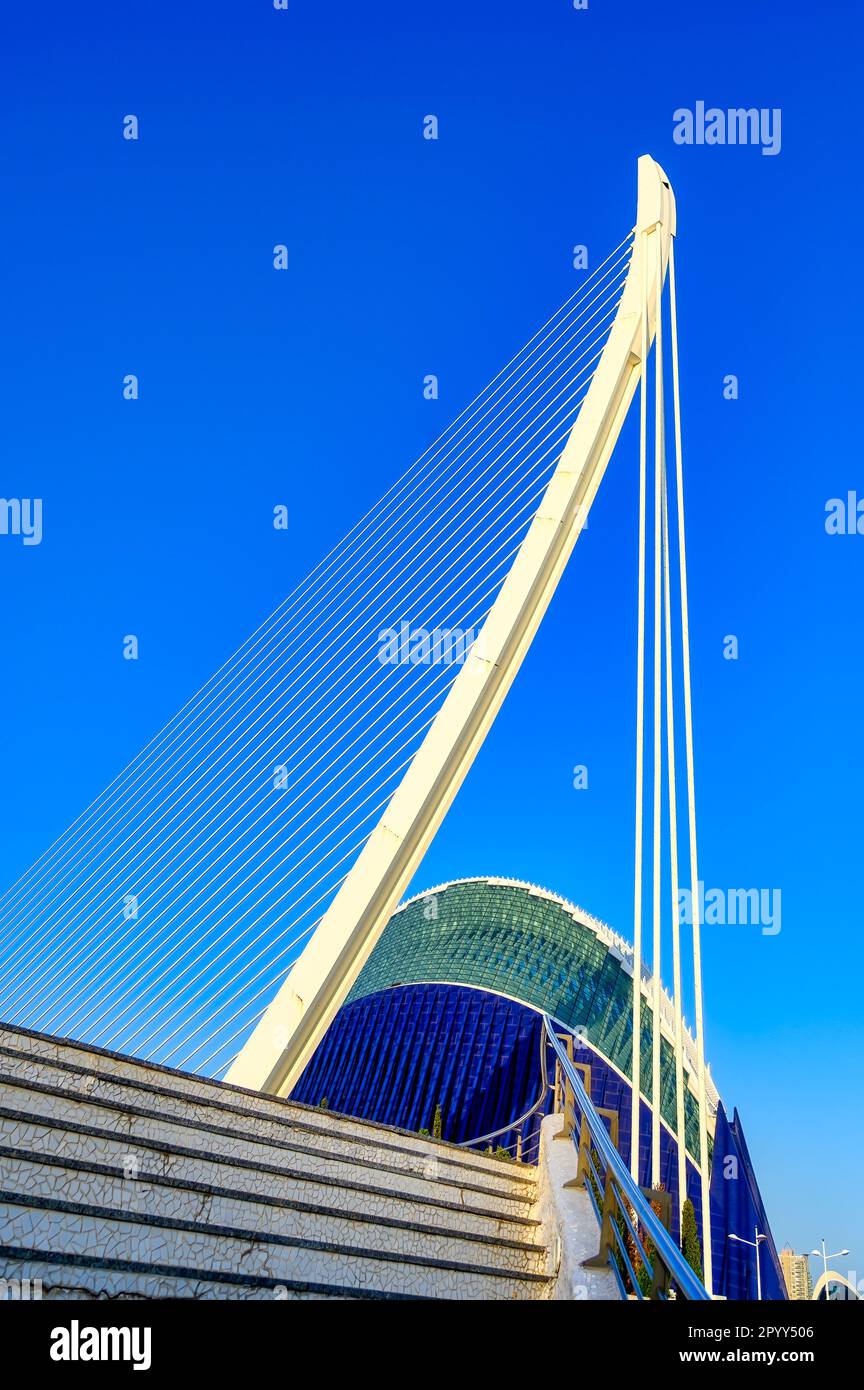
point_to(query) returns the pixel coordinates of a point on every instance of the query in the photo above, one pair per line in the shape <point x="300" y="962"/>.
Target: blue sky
<point x="305" y="388"/>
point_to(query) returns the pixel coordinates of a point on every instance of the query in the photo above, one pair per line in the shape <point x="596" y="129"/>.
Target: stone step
<point x="126" y="1180"/>
<point x="62" y="1279"/>
<point x="186" y="1167"/>
<point x="405" y="1173"/>
<point x="79" y="1230"/>
<point x="20" y="1048"/>
<point x="32" y="1176"/>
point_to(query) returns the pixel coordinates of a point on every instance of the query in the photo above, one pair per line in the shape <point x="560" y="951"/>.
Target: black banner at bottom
<point x="58" y="1338"/>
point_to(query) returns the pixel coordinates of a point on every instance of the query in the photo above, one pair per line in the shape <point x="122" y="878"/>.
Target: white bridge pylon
<point x="287" y="1034"/>
<point x="291" y="800"/>
<point x="291" y="1028"/>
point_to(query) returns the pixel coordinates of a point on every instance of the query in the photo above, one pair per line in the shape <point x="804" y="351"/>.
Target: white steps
<point x="122" y="1179"/>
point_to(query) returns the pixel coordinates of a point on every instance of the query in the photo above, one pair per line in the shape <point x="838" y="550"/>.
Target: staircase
<point x="120" y="1179"/>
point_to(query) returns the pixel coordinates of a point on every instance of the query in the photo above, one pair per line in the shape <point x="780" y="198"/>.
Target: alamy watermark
<point x="77" y="1343"/>
<point x="419" y="646"/>
<point x="711" y="125"/>
<point x="732" y="907"/>
<point x="20" y="1290"/>
<point x="22" y="516"/>
<point x="844" y="516"/>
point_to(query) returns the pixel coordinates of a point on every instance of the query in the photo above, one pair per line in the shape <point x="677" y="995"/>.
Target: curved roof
<point x="522" y="941"/>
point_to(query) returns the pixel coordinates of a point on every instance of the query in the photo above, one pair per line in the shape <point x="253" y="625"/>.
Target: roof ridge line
<point x="601" y="930"/>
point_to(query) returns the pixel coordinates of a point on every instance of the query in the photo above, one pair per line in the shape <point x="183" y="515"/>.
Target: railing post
<point x="607" y="1218"/>
<point x="659" y="1271"/>
<point x="585" y="1144"/>
<point x="585" y="1068"/>
<point x="566" y="1096"/>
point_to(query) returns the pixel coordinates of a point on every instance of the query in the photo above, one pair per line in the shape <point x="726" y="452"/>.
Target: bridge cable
<point x="324" y="566"/>
<point x="499" y="456"/>
<point x="471" y="566"/>
<point x="707" y="1254"/>
<point x="636" y="1067"/>
<point x="656" y="964"/>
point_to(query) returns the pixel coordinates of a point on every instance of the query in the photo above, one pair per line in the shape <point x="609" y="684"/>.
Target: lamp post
<point x="760" y="1236"/>
<point x="825" y="1258"/>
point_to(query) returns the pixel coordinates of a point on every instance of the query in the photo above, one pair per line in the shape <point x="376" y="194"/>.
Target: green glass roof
<point x="520" y="941"/>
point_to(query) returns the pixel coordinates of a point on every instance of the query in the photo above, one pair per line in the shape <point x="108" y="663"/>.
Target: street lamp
<point x="760" y="1236"/>
<point x="825" y="1258"/>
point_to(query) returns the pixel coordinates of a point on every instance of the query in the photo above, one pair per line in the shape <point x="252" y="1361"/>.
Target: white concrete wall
<point x="570" y="1230"/>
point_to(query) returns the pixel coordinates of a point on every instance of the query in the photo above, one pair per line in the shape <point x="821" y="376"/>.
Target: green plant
<point x="437" y="1123"/>
<point x="504" y="1154"/>
<point x="424" y="1134"/>
<point x="323" y="1104"/>
<point x="644" y="1278"/>
<point x="691" y="1245"/>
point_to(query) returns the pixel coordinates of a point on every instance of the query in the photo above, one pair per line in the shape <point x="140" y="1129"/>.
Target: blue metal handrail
<point x="687" y="1283"/>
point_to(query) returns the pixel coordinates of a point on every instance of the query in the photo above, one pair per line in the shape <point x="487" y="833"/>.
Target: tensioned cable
<point x="363" y="765"/>
<point x="636" y="1073"/>
<point x="260" y="973"/>
<point x="286" y="959"/>
<point x="343" y="542"/>
<point x="671" y="776"/>
<point x="367" y="764"/>
<point x="206" y="992"/>
<point x="103" y="837"/>
<point x="445" y="671"/>
<point x="170" y="968"/>
<point x="372" y="663"/>
<point x="234" y="964"/>
<point x="355" y="533"/>
<point x="523" y="433"/>
<point x="657" y="711"/>
<point x="510" y="489"/>
<point x="695" y="911"/>
<point x="348" y="820"/>
<point x="285" y="952"/>
<point x="265" y="991"/>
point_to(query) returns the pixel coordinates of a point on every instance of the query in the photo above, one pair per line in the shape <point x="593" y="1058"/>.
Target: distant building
<point x="796" y="1272"/>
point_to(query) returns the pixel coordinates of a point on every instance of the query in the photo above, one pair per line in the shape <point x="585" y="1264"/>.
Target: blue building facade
<point x="447" y="1015"/>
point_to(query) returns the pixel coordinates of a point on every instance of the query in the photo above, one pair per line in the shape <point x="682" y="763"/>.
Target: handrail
<point x="687" y="1283"/>
<point x="516" y="1124"/>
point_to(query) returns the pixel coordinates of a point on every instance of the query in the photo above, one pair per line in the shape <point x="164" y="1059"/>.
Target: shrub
<point x="691" y="1245"/>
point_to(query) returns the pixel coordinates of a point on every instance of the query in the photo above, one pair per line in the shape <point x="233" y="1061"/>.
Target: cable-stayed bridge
<point x="216" y="852"/>
<point x="213" y="907"/>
